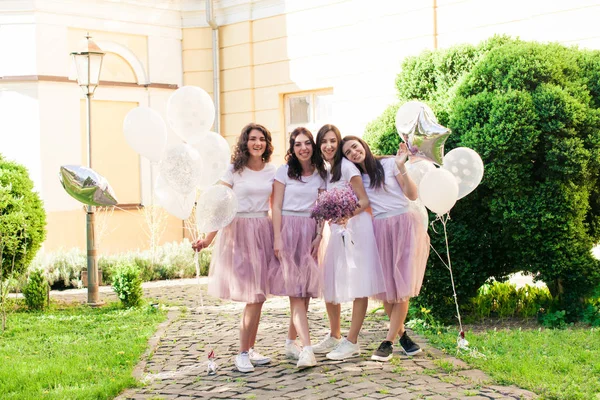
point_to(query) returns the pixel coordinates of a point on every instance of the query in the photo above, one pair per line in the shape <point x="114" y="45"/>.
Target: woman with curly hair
<point x="244" y="248"/>
<point x="297" y="238"/>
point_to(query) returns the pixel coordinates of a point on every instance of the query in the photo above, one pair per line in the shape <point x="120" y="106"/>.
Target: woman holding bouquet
<point x="402" y="241"/>
<point x="297" y="238"/>
<point x="244" y="248"/>
<point x="351" y="264"/>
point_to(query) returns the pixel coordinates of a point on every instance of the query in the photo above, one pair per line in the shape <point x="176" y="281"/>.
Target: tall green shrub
<point x="22" y="219"/>
<point x="531" y="111"/>
<point x="35" y="291"/>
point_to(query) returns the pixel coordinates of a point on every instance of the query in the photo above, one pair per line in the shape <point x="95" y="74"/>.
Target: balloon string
<point x="443" y="219"/>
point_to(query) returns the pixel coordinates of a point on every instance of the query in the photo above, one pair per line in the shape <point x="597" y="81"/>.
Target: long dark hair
<point x="372" y="165"/>
<point x="241" y="155"/>
<point x="336" y="165"/>
<point x="295" y="168"/>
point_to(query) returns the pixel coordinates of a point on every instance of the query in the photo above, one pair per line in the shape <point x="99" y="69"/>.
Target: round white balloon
<point x="190" y="112"/>
<point x="215" y="155"/>
<point x="466" y="166"/>
<point x="438" y="190"/>
<point x="146" y="132"/>
<point x="408" y="113"/>
<point x="417" y="170"/>
<point x="216" y="208"/>
<point x="176" y="204"/>
<point x="181" y="168"/>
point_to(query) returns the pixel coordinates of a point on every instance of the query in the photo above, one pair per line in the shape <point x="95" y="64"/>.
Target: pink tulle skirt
<point x="403" y="246"/>
<point x="241" y="256"/>
<point x="296" y="273"/>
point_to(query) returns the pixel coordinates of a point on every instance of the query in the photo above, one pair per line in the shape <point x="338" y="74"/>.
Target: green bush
<point x="503" y="299"/>
<point x="126" y="282"/>
<point x="22" y="219"/>
<point x="531" y="111"/>
<point x="35" y="291"/>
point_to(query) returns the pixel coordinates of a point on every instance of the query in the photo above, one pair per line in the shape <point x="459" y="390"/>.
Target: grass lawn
<point x="73" y="353"/>
<point x="554" y="363"/>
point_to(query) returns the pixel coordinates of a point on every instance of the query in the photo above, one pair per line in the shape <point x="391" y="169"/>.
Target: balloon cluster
<point x="195" y="164"/>
<point x="461" y="169"/>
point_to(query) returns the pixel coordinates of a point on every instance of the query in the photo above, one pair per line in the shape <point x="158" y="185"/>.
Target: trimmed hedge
<point x="531" y="111"/>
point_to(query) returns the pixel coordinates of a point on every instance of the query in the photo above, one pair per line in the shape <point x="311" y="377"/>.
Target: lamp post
<point x="88" y="62"/>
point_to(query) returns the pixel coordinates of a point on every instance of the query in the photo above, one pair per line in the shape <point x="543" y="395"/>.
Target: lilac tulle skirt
<point x="296" y="273"/>
<point x="241" y="256"/>
<point x="403" y="245"/>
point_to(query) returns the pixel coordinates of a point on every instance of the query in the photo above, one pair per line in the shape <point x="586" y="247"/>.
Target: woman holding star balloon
<point x="402" y="241"/>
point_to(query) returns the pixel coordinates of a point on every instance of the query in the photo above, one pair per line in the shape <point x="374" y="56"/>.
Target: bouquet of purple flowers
<point x="336" y="206"/>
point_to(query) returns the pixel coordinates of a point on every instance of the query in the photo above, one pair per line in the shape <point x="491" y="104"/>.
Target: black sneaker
<point x="410" y="348"/>
<point x="384" y="352"/>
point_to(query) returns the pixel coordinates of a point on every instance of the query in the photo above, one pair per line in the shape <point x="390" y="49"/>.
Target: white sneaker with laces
<point x="242" y="362"/>
<point x="306" y="359"/>
<point x="258" y="359"/>
<point x="292" y="350"/>
<point x="345" y="349"/>
<point x="326" y="345"/>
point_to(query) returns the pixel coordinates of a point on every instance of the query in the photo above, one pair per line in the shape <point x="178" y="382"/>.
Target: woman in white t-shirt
<point x="351" y="264"/>
<point x="402" y="240"/>
<point x="297" y="238"/>
<point x="244" y="248"/>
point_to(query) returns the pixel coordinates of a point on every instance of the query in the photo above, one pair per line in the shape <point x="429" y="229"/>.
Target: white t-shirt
<point x="389" y="196"/>
<point x="349" y="171"/>
<point x="252" y="188"/>
<point x="299" y="196"/>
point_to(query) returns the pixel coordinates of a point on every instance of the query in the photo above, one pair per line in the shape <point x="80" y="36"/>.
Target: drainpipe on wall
<point x="435" y="27"/>
<point x="210" y="19"/>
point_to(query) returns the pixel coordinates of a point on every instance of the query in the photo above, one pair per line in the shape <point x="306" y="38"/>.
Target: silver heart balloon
<point x="87" y="186"/>
<point x="426" y="138"/>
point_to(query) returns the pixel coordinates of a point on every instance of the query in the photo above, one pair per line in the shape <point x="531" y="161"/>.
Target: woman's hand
<point x="277" y="246"/>
<point x="314" y="247"/>
<point x="200" y="244"/>
<point x="402" y="156"/>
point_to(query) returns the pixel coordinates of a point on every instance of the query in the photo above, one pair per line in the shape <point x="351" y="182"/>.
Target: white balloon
<point x="181" y="168"/>
<point x="466" y="166"/>
<point x="176" y="204"/>
<point x="417" y="170"/>
<point x="190" y="112"/>
<point x="146" y="132"/>
<point x="216" y="208"/>
<point x="418" y="206"/>
<point x="408" y="113"/>
<point x="438" y="191"/>
<point x="215" y="155"/>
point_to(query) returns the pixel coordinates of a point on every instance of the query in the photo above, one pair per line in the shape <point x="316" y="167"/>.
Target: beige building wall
<point x="354" y="49"/>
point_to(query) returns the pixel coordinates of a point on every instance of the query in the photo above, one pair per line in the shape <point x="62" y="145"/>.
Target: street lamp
<point x="88" y="62"/>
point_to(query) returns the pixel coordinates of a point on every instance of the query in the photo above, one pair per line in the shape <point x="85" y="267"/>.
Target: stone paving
<point x="175" y="364"/>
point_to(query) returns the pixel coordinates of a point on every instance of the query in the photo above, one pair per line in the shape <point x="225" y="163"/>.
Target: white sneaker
<point x="258" y="359"/>
<point x="242" y="362"/>
<point x="326" y="345"/>
<point x="306" y="359"/>
<point x="292" y="350"/>
<point x="344" y="349"/>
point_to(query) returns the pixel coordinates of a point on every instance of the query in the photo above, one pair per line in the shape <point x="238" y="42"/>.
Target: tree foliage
<point x="531" y="111"/>
<point x="22" y="219"/>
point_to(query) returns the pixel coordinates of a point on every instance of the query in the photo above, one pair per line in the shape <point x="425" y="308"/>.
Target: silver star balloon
<point x="87" y="186"/>
<point x="426" y="138"/>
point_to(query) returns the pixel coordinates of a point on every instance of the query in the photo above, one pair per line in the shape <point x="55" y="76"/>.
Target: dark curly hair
<point x="295" y="168"/>
<point x="372" y="165"/>
<point x="240" y="155"/>
<point x="336" y="165"/>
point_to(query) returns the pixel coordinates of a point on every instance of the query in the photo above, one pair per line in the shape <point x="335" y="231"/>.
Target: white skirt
<point x="351" y="264"/>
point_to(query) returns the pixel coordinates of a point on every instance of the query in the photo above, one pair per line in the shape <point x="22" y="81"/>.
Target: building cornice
<point x="64" y="79"/>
